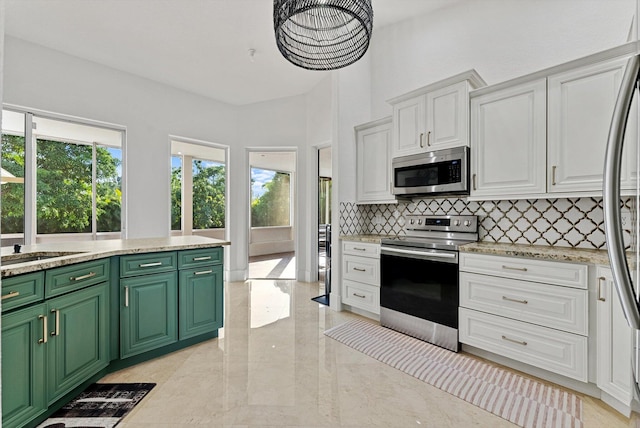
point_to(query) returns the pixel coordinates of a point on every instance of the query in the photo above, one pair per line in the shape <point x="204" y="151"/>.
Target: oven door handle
<point x="451" y="257"/>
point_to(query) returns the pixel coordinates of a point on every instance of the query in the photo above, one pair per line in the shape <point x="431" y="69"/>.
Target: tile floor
<point x="272" y="366"/>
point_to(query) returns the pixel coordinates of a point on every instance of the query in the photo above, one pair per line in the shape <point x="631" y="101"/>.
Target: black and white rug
<point x="100" y="405"/>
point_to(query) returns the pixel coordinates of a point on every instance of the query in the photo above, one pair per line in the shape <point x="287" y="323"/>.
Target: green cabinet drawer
<point x="68" y="278"/>
<point x="143" y="264"/>
<point x="200" y="257"/>
<point x="22" y="290"/>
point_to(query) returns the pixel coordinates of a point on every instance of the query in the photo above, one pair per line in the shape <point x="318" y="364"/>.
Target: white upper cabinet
<point x="581" y="103"/>
<point x="545" y="135"/>
<point x="434" y="117"/>
<point x="373" y="153"/>
<point x="508" y="137"/>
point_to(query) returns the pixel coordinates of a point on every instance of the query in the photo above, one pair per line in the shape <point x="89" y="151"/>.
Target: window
<point x="270" y="198"/>
<point x="198" y="193"/>
<point x="78" y="179"/>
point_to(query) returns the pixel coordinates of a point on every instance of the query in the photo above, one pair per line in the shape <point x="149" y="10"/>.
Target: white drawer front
<point x="549" y="349"/>
<point x="553" y="306"/>
<point x="362" y="296"/>
<point x="361" y="269"/>
<point x="559" y="273"/>
<point x="361" y="249"/>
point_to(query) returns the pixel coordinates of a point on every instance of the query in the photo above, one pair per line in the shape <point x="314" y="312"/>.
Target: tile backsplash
<point x="577" y="223"/>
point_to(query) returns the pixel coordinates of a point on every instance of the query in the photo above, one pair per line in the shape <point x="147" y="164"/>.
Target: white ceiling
<point x="201" y="46"/>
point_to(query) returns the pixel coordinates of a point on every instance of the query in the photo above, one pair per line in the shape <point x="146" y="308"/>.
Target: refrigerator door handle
<point x="611" y="194"/>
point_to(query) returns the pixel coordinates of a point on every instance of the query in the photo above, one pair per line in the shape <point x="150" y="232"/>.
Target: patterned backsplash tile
<point x="577" y="223"/>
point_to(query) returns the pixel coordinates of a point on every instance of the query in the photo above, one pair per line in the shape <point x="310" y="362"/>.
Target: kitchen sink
<point x="11" y="259"/>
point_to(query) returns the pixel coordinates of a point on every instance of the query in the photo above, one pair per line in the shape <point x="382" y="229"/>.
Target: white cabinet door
<point x="447" y="117"/>
<point x="508" y="138"/>
<point x="581" y="103"/>
<point x="614" y="341"/>
<point x="373" y="152"/>
<point x="409" y="126"/>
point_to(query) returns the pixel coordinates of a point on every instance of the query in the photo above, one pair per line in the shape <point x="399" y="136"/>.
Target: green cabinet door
<point x="200" y="300"/>
<point x="78" y="344"/>
<point x="148" y="312"/>
<point x="23" y="366"/>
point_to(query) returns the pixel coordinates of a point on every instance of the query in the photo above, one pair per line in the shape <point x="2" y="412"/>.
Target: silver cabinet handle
<point x="359" y="249"/>
<point x="359" y="295"/>
<point x="429" y="138"/>
<point x="126" y="297"/>
<point x="359" y="269"/>
<point x="514" y="268"/>
<point x="421" y="139"/>
<point x="10" y="295"/>
<point x="524" y="302"/>
<point x="80" y="278"/>
<point x="553" y="175"/>
<point x="44" y="329"/>
<point x="56" y="332"/>
<point x="150" y="264"/>
<point x="199" y="259"/>
<point x="519" y="342"/>
<point x="474" y="182"/>
<point x="601" y="297"/>
<point x="204" y="272"/>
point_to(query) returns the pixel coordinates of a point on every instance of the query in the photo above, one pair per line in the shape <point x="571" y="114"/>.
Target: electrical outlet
<point x="377" y="220"/>
<point x="625" y="217"/>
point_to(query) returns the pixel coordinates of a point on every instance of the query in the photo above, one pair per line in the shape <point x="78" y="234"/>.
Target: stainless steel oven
<point x="419" y="288"/>
<point x="440" y="172"/>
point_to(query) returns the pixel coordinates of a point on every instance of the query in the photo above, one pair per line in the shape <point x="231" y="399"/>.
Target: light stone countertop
<point x="370" y="239"/>
<point x="540" y="252"/>
<point x="82" y="251"/>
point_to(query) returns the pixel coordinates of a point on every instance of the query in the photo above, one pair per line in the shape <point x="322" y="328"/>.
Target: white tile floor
<point x="272" y="366"/>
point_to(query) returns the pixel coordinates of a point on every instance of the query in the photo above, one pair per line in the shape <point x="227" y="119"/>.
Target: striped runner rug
<point x="518" y="399"/>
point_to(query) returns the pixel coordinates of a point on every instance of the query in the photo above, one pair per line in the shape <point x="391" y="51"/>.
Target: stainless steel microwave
<point x="441" y="172"/>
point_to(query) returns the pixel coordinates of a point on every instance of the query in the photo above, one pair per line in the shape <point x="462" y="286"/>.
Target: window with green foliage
<point x="12" y="193"/>
<point x="78" y="178"/>
<point x="207" y="193"/>
<point x="270" y="198"/>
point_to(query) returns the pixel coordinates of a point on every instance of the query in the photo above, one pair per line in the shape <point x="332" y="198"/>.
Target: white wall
<point x="501" y="39"/>
<point x="49" y="80"/>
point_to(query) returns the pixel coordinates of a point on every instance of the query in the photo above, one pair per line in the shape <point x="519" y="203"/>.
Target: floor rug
<point x="100" y="405"/>
<point x="520" y="400"/>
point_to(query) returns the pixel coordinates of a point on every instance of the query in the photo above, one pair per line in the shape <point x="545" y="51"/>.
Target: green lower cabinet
<point x="149" y="312"/>
<point x="23" y="366"/>
<point x="78" y="344"/>
<point x="200" y="301"/>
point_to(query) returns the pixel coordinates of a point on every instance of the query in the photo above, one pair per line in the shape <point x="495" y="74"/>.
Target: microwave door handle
<point x="611" y="194"/>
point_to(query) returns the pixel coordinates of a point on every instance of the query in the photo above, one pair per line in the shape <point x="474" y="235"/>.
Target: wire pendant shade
<point x="322" y="34"/>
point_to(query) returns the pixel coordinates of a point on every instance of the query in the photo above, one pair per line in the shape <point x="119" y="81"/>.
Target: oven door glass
<point x="423" y="288"/>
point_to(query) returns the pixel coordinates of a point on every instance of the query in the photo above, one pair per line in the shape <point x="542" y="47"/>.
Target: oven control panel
<point x="447" y="223"/>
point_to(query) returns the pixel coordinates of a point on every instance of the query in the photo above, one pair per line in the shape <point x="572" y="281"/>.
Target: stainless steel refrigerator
<point x="625" y="279"/>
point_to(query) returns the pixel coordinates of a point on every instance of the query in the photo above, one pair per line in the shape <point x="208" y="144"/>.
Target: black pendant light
<point x="322" y="34"/>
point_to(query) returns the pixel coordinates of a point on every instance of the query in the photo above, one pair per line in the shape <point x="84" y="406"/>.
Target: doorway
<point x="272" y="226"/>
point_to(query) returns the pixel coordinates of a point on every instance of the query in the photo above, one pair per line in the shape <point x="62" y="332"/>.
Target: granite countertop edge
<point x="94" y="250"/>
